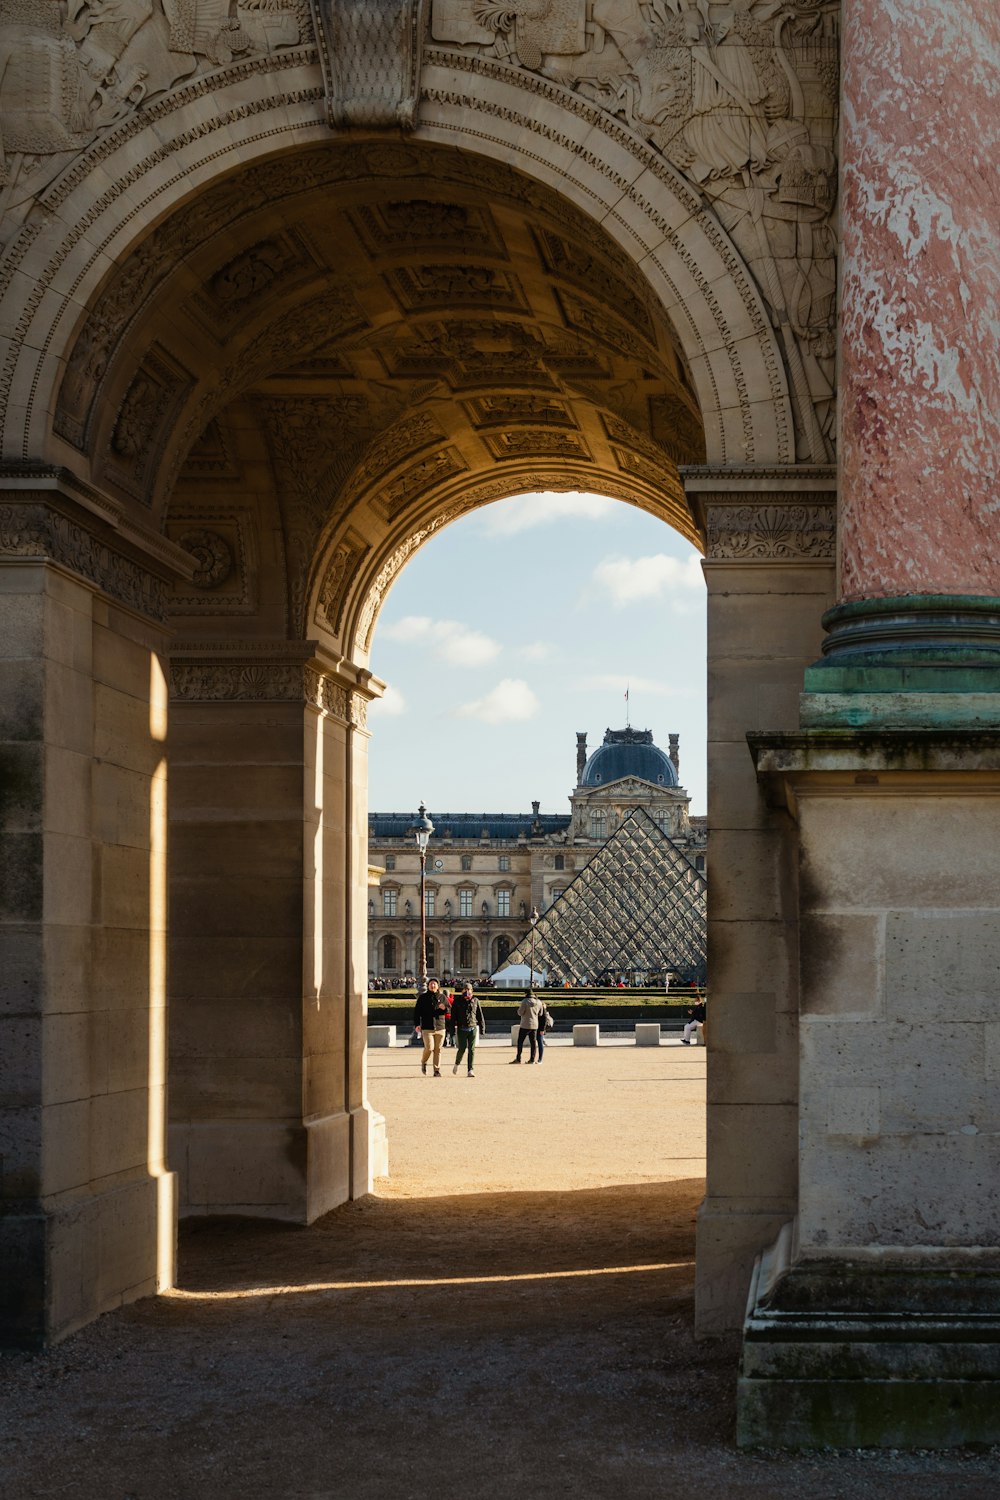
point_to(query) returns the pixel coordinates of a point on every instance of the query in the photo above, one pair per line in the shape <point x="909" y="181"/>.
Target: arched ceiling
<point x="381" y="351"/>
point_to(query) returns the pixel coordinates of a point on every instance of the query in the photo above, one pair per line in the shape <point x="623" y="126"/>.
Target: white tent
<point x="517" y="977"/>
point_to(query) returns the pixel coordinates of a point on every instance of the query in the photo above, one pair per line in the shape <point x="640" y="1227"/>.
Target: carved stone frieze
<point x="421" y="223"/>
<point x="422" y="288"/>
<point x="71" y="73"/>
<point x="274" y="266"/>
<point x="153" y="398"/>
<point x="742" y="100"/>
<point x="507" y="409"/>
<point x="225" y="682"/>
<point x="525" y="442"/>
<point x="39" y="531"/>
<point x="780" y="532"/>
<point x="341" y="571"/>
<point x="417" y="480"/>
<point x="265" y="682"/>
<point x="404" y="438"/>
<point x="315" y="443"/>
<point x="677" y="426"/>
<point x="571" y="261"/>
<point x="588" y="318"/>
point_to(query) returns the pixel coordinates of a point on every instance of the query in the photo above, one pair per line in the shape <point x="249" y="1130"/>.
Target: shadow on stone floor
<point x="510" y="1344"/>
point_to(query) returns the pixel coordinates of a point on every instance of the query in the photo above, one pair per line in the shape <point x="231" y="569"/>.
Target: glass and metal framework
<point x="636" y="911"/>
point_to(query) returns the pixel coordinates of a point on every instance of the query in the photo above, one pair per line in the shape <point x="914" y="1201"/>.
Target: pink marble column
<point x="920" y="362"/>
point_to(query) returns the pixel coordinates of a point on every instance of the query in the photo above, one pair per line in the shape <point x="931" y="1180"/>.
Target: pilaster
<point x="269" y="1113"/>
<point x="87" y="1218"/>
<point x="875" y="1319"/>
<point x="769" y="566"/>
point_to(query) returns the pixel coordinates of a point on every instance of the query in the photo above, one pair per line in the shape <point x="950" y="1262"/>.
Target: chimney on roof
<point x="675" y="753"/>
<point x="581" y="755"/>
<point x="535" y="806"/>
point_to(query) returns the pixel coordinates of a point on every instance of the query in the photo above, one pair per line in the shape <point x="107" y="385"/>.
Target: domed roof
<point x="629" y="752"/>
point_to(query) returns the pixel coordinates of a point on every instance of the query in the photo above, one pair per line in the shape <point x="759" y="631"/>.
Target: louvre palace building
<point x="486" y="871"/>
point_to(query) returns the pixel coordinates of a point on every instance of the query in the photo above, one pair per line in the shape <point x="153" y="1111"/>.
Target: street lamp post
<point x="534" y="920"/>
<point x="422" y="833"/>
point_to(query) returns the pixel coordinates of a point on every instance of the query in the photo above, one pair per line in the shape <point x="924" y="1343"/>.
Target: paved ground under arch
<point x="441" y="1340"/>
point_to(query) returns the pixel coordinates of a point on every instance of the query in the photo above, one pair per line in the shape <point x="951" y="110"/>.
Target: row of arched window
<point x="390" y="953"/>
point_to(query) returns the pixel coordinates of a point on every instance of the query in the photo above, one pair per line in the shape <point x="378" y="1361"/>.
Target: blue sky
<point x="519" y="625"/>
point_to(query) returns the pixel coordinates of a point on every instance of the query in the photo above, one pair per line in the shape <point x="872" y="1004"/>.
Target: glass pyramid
<point x="636" y="910"/>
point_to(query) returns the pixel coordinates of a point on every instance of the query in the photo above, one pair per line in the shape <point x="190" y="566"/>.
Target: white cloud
<point x="449" y="640"/>
<point x="522" y="512"/>
<point x="625" y="580"/>
<point x="510" y="702"/>
<point x="537" y="651"/>
<point x="390" y="705"/>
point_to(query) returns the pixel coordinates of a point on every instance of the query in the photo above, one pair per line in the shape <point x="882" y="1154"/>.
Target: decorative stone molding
<point x="236" y="682"/>
<point x="382" y="582"/>
<point x="370" y="51"/>
<point x="266" y="682"/>
<point x="340" y="573"/>
<point x="779" y="532"/>
<point x="34" y="528"/>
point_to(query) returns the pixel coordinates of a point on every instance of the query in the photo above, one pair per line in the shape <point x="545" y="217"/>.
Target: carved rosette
<point x="771" y="532"/>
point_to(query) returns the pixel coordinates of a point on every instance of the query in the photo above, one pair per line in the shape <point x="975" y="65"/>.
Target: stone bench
<point x="381" y="1036"/>
<point x="586" y="1035"/>
<point x="647" y="1033"/>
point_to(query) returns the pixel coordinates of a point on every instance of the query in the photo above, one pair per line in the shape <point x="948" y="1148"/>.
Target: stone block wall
<point x="87" y="1202"/>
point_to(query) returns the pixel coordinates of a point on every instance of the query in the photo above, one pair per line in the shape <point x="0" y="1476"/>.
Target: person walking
<point x="449" y="1020"/>
<point x="429" y="1014"/>
<point x="527" y="1012"/>
<point x="545" y="1025"/>
<point x="469" y="1022"/>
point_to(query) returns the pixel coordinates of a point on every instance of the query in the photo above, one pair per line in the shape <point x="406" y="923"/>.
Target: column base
<point x="728" y="1241"/>
<point x="921" y="660"/>
<point x="870" y="1353"/>
<point x="64" y="1267"/>
<point x="273" y="1169"/>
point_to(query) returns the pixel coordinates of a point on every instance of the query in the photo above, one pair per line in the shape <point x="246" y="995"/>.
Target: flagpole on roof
<point x="628" y="720"/>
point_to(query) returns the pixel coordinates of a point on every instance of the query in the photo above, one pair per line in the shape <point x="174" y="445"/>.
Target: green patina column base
<point x="878" y="1351"/>
<point x="930" y="660"/>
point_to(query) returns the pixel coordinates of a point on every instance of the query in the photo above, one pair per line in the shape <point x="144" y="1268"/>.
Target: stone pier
<point x="875" y="1319"/>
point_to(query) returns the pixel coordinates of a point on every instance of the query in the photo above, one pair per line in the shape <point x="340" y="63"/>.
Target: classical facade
<point x="286" y="288"/>
<point x="486" y="871"/>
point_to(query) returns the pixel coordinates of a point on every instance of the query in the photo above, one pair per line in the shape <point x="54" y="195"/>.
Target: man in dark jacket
<point x="469" y="1021"/>
<point x="696" y="1020"/>
<point x="430" y="1014"/>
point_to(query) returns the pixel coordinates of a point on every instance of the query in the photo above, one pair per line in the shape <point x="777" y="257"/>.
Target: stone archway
<point x="251" y="375"/>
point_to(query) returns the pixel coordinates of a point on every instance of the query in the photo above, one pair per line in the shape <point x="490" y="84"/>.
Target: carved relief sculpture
<point x="69" y="68"/>
<point x="741" y="98"/>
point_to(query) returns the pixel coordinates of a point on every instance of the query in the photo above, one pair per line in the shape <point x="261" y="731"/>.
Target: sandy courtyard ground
<point x="509" y="1318"/>
<point x="587" y="1117"/>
